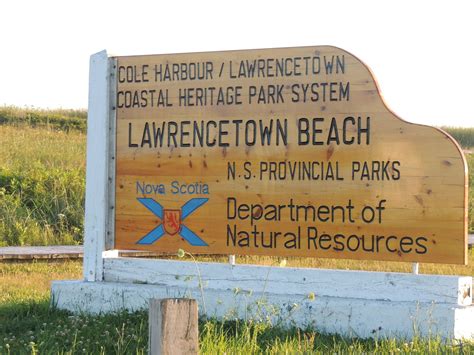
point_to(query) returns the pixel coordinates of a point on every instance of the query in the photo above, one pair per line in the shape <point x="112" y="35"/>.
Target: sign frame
<point x="361" y="303"/>
<point x="101" y="138"/>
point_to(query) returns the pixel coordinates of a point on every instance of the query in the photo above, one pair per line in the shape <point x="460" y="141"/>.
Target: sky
<point x="421" y="52"/>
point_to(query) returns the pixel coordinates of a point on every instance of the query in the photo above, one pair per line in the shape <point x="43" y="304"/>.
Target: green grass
<point x="464" y="136"/>
<point x="28" y="323"/>
<point x="42" y="186"/>
<point x="60" y="119"/>
<point x="29" y="326"/>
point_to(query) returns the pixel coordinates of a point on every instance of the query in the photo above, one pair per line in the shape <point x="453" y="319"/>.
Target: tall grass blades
<point x="41" y="186"/>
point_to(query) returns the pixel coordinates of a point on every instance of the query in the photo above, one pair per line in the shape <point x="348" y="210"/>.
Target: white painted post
<point x="114" y="253"/>
<point x="97" y="167"/>
<point x="415" y="268"/>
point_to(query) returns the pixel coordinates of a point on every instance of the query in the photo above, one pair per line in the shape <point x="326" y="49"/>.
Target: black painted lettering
<point x="387" y="244"/>
<point x="395" y="171"/>
<point x="231" y="205"/>
<point x="421" y="248"/>
<point x="210" y="142"/>
<point x="198" y="134"/>
<point x="250" y="132"/>
<point x="223" y="133"/>
<point x="346" y="130"/>
<point x="406" y="242"/>
<point x="363" y="131"/>
<point x="339" y="245"/>
<point x="130" y="144"/>
<point x="158" y="134"/>
<point x="357" y="242"/>
<point x="303" y="131"/>
<point x="172" y="132"/>
<point x="265" y="132"/>
<point x="312" y="234"/>
<point x="232" y="235"/>
<point x="325" y="241"/>
<point x="146" y="137"/>
<point x="333" y="135"/>
<point x="370" y="249"/>
<point x="230" y="173"/>
<point x="184" y="133"/>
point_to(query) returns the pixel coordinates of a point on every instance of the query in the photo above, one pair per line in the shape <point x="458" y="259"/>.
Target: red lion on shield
<point x="172" y="221"/>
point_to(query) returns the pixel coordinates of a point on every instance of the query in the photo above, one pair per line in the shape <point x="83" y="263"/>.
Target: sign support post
<point x="97" y="173"/>
<point x="415" y="268"/>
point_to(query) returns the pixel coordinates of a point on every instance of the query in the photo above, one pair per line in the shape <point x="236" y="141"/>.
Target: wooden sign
<point x="288" y="152"/>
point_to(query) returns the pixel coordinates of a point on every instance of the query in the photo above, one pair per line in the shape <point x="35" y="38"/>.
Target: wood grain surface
<point x="173" y="326"/>
<point x="295" y="154"/>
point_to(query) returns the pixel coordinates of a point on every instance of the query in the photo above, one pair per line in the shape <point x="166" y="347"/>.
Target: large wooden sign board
<point x="288" y="152"/>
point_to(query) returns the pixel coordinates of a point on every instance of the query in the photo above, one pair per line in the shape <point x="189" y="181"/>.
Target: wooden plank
<point x="173" y="326"/>
<point x="302" y="281"/>
<point x="61" y="252"/>
<point x="46" y="252"/>
<point x="112" y="119"/>
<point x="362" y="159"/>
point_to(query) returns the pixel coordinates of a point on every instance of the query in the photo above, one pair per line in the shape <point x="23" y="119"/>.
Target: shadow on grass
<point x="35" y="326"/>
<point x="28" y="327"/>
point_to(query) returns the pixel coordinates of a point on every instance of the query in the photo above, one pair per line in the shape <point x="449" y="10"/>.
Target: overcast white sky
<point x="421" y="52"/>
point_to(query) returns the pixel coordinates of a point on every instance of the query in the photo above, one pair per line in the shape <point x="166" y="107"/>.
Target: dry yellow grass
<point x="31" y="281"/>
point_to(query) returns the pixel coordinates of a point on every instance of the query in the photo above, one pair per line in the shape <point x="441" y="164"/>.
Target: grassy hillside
<point x="42" y="175"/>
<point x="59" y="119"/>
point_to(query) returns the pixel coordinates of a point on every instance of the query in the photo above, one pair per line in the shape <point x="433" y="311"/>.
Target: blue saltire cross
<point x="187" y="234"/>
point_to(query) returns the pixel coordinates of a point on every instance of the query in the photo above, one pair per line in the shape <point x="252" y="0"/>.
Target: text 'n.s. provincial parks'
<point x="285" y="152"/>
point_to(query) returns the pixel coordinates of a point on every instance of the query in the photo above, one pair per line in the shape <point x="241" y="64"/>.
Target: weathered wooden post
<point x="173" y="326"/>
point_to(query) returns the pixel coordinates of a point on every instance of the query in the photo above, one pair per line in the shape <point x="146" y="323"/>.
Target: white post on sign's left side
<point x="97" y="193"/>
